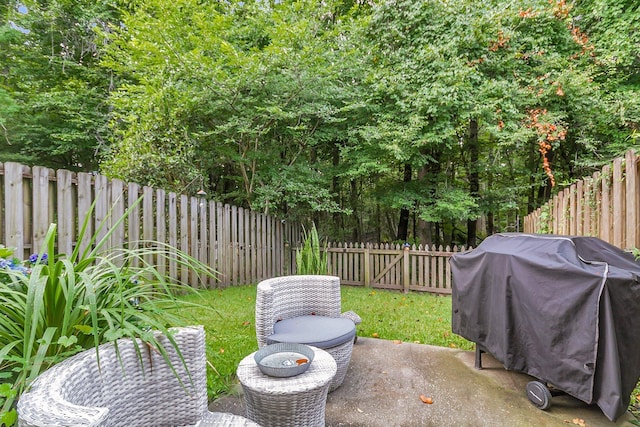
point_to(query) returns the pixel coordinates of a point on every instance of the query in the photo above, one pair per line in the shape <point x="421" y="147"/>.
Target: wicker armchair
<point x="127" y="388"/>
<point x="313" y="304"/>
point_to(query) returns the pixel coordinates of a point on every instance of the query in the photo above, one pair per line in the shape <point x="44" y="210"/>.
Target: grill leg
<point x="479" y="352"/>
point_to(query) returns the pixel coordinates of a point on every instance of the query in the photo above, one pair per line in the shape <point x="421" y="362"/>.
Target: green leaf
<point x="6" y="390"/>
<point x="6" y="252"/>
<point x="85" y="329"/>
<point x="67" y="341"/>
<point x="8" y="418"/>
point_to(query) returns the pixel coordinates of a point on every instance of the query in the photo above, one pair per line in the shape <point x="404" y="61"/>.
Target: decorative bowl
<point x="284" y="359"/>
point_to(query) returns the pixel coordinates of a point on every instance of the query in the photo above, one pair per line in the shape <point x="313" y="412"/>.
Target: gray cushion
<point x="318" y="331"/>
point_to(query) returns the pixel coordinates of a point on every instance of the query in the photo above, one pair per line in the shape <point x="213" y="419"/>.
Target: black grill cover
<point x="565" y="310"/>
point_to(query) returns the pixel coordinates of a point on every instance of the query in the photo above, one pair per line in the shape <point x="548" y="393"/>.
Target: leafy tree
<point x="611" y="31"/>
<point x="57" y="114"/>
<point x="461" y="86"/>
<point x="235" y="104"/>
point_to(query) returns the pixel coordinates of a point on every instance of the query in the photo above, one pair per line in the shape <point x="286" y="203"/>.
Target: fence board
<point x="193" y="235"/>
<point x="213" y="244"/>
<point x="586" y="207"/>
<point x="246" y="248"/>
<point x="579" y="208"/>
<point x="161" y="227"/>
<point x="184" y="234"/>
<point x="253" y="246"/>
<point x="233" y="245"/>
<point x="14" y="220"/>
<point x="117" y="237"/>
<point x="203" y="238"/>
<point x="172" y="217"/>
<point x="133" y="230"/>
<point x="148" y="222"/>
<point x="269" y="237"/>
<point x="41" y="216"/>
<point x="605" y="219"/>
<point x="631" y="190"/>
<point x="564" y="205"/>
<point x="261" y="250"/>
<point x="220" y="240"/>
<point x="597" y="192"/>
<point x="226" y="246"/>
<point x="66" y="221"/>
<point x="85" y="201"/>
<point x="573" y="210"/>
<point x="618" y="202"/>
<point x="101" y="207"/>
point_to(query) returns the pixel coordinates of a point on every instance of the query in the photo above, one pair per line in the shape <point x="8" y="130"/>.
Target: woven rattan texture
<point x="132" y="385"/>
<point x="293" y="401"/>
<point x="291" y="296"/>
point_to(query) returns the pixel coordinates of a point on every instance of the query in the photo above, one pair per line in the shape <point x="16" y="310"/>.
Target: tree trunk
<point x="490" y="225"/>
<point x="531" y="196"/>
<point x="338" y="218"/>
<point x="474" y="178"/>
<point x="423" y="233"/>
<point x="403" y="223"/>
<point x="423" y="228"/>
<point x="356" y="231"/>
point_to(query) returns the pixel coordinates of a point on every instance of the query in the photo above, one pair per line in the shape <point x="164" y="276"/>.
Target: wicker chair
<point x="298" y="300"/>
<point x="127" y="388"/>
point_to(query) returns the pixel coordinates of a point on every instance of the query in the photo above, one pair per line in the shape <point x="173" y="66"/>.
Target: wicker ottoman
<point x="294" y="401"/>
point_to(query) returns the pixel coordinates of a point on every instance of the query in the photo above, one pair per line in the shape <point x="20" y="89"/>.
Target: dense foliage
<point x="432" y="121"/>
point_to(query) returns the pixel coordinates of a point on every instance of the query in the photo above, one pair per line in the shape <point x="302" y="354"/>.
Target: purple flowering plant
<point x="10" y="265"/>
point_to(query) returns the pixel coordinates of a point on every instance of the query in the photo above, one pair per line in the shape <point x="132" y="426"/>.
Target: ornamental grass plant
<point x="311" y="258"/>
<point x="66" y="303"/>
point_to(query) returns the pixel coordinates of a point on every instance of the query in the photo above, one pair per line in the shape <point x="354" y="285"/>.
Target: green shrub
<point x="311" y="259"/>
<point x="69" y="303"/>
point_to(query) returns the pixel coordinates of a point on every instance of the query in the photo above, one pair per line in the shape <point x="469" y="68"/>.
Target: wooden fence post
<point x="618" y="203"/>
<point x="65" y="204"/>
<point x="13" y="215"/>
<point x="405" y="269"/>
<point x="366" y="267"/>
<point x="631" y="180"/>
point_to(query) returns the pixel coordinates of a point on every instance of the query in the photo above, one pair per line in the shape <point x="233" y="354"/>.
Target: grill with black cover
<point x="563" y="309"/>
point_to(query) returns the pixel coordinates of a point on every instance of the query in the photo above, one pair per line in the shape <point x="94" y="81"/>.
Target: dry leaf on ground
<point x="426" y="399"/>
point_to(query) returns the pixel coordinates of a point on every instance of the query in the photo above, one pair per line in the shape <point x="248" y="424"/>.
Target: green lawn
<point x="229" y="323"/>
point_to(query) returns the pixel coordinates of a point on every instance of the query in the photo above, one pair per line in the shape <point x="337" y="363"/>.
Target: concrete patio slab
<point x="386" y="379"/>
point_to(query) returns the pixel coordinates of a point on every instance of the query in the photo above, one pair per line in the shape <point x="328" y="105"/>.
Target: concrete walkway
<point x="386" y="379"/>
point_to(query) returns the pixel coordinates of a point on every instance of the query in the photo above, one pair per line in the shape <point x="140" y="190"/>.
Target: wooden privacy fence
<point x="242" y="245"/>
<point x="393" y="266"/>
<point x="605" y="205"/>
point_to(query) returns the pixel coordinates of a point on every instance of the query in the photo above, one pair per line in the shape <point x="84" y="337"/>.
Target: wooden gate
<point x="388" y="266"/>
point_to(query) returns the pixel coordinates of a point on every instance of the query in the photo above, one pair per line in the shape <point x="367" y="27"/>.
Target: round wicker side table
<point x="294" y="401"/>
